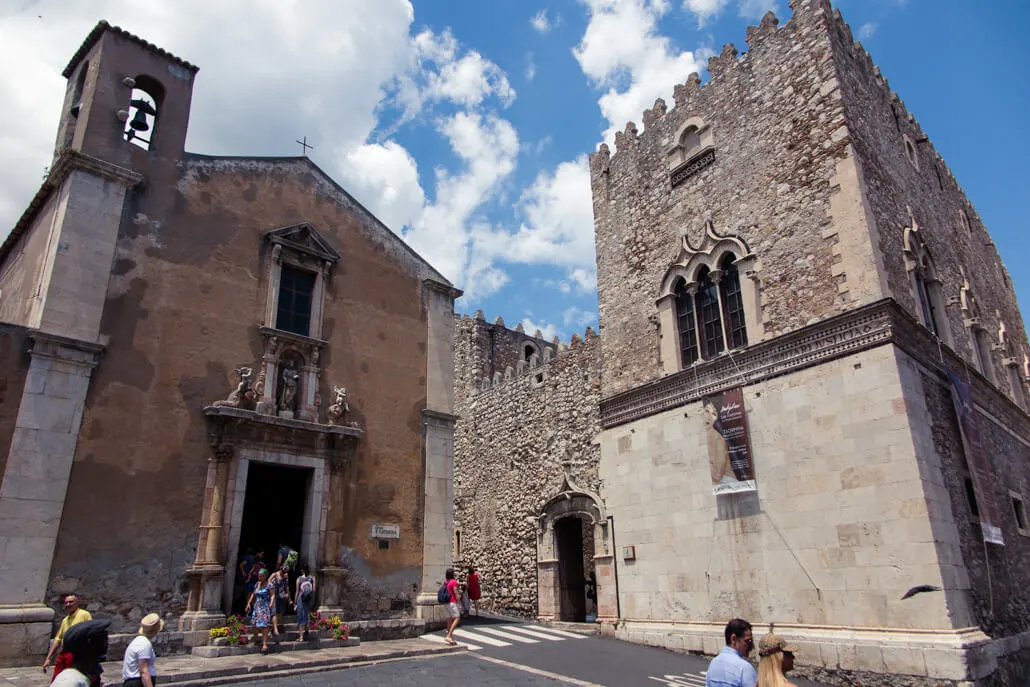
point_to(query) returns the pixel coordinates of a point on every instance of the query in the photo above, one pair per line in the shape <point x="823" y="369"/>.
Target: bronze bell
<point x="139" y="120"/>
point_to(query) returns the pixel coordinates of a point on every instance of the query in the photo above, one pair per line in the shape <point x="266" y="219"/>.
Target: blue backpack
<point x="443" y="596"/>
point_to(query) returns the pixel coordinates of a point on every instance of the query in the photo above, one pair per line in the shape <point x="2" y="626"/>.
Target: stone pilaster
<point x="207" y="574"/>
<point x="330" y="574"/>
<point x="35" y="483"/>
<point x="438" y="422"/>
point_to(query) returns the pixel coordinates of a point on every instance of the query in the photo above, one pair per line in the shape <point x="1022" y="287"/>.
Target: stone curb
<point x="227" y="676"/>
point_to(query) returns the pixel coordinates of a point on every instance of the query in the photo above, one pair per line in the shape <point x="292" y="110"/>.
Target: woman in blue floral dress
<point x="261" y="602"/>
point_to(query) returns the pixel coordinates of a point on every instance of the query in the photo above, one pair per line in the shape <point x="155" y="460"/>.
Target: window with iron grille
<point x="686" y="324"/>
<point x="294" y="310"/>
<point x="733" y="304"/>
<point x="711" y="319"/>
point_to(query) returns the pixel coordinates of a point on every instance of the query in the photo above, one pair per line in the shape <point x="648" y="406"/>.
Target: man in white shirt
<point x="731" y="667"/>
<point x="138" y="669"/>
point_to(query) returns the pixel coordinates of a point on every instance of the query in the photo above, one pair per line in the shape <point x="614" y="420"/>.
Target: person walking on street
<point x="453" y="609"/>
<point x="776" y="657"/>
<point x="261" y="601"/>
<point x="86" y="644"/>
<point x="473" y="588"/>
<point x="280" y="582"/>
<point x="138" y="666"/>
<point x="731" y="667"/>
<point x="303" y="600"/>
<point x="75" y="616"/>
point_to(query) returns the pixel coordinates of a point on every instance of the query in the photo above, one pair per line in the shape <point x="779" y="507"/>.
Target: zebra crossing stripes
<point x="536" y="633"/>
<point x="477" y="636"/>
<point x="682" y="680"/>
<point x="507" y="635"/>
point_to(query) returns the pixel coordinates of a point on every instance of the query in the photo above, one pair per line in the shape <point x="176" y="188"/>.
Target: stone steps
<point x="222" y="648"/>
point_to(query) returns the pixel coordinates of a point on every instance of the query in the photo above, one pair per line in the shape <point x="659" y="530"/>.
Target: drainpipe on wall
<point x="615" y="569"/>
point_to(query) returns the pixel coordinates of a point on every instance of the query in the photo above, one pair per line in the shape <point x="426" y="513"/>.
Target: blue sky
<point x="465" y="124"/>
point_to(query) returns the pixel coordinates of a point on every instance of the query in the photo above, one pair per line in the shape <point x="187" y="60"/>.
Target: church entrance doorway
<point x="274" y="507"/>
<point x="571" y="577"/>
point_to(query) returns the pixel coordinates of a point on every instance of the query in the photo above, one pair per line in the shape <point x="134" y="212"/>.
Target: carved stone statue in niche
<point x="242" y="396"/>
<point x="288" y="390"/>
<point x="339" y="408"/>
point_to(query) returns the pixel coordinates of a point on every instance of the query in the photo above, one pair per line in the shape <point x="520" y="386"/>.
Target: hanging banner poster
<point x="729" y="446"/>
<point x="976" y="459"/>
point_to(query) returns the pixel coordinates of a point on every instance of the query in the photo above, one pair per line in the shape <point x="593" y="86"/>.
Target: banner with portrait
<point x="729" y="445"/>
<point x="977" y="460"/>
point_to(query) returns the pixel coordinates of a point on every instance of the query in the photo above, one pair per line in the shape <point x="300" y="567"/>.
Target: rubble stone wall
<point x="510" y="444"/>
<point x="776" y="124"/>
<point x="901" y="190"/>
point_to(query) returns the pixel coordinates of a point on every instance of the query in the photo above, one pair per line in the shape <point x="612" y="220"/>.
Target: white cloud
<point x="327" y="68"/>
<point x="622" y="51"/>
<point x="384" y="177"/>
<point x="530" y="67"/>
<point x="546" y="329"/>
<point x="540" y="22"/>
<point x="704" y="9"/>
<point x="577" y="317"/>
<point x="755" y="9"/>
<point x="867" y="31"/>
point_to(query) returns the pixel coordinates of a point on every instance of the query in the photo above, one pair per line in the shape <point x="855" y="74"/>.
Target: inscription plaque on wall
<point x="385" y="532"/>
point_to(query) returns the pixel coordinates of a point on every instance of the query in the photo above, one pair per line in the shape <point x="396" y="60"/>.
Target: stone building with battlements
<point x="203" y="354"/>
<point x="813" y="386"/>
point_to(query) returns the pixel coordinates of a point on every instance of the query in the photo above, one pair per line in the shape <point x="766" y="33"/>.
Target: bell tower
<point x="123" y="121"/>
<point x="125" y="95"/>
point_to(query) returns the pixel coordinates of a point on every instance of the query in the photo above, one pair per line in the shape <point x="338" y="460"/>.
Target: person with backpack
<point x="280" y="584"/>
<point x="449" y="591"/>
<point x="305" y="599"/>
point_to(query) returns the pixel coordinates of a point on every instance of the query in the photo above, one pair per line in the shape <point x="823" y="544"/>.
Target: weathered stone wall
<point x="777" y="121"/>
<point x="997" y="575"/>
<point x="900" y="191"/>
<point x="21" y="269"/>
<point x="14" y="365"/>
<point x="187" y="293"/>
<point x="511" y="445"/>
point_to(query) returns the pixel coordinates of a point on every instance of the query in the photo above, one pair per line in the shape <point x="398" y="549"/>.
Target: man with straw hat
<point x="138" y="669"/>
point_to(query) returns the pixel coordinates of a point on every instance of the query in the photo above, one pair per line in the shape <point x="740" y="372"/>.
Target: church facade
<point x="204" y="355"/>
<point x="812" y="405"/>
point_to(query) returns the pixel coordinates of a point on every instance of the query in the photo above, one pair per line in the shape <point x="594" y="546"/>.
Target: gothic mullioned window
<point x="705" y="307"/>
<point x="926" y="286"/>
<point x="979" y="338"/>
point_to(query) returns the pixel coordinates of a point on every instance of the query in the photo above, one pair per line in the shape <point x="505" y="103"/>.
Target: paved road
<point x="504" y="653"/>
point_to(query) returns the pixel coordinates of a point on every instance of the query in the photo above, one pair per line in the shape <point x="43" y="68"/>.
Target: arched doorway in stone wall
<point x="573" y="542"/>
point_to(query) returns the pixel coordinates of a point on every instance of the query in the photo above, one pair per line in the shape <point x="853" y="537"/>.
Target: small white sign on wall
<point x="629" y="553"/>
<point x="385" y="532"/>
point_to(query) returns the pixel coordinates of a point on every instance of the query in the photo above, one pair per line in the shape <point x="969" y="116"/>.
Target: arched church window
<point x="690" y="141"/>
<point x="712" y="342"/>
<point x="686" y="323"/>
<point x="926" y="286"/>
<point x="144" y="106"/>
<point x="705" y="308"/>
<point x="733" y="303"/>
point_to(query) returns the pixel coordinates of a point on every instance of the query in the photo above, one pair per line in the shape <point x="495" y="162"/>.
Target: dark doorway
<point x="569" y="532"/>
<point x="273" y="510"/>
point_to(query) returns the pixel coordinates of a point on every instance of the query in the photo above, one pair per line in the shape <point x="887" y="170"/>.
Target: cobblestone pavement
<point x="442" y="671"/>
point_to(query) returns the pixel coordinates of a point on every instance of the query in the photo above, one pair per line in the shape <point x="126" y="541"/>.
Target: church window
<point x="1019" y="511"/>
<point x="692" y="149"/>
<point x="733" y="304"/>
<point x="981" y="348"/>
<point x="926" y="287"/>
<point x="706" y="308"/>
<point x="1016" y="384"/>
<point x="910" y="152"/>
<point x="144" y="105"/>
<point x="295" y="291"/>
<point x="709" y="316"/>
<point x="686" y="324"/>
<point x="80" y="86"/>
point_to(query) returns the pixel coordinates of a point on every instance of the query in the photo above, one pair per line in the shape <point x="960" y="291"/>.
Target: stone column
<point x="330" y="574"/>
<point x="207" y="576"/>
<point x="548" y="584"/>
<point x="35" y="483"/>
<point x="669" y="337"/>
<point x="438" y="422"/>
